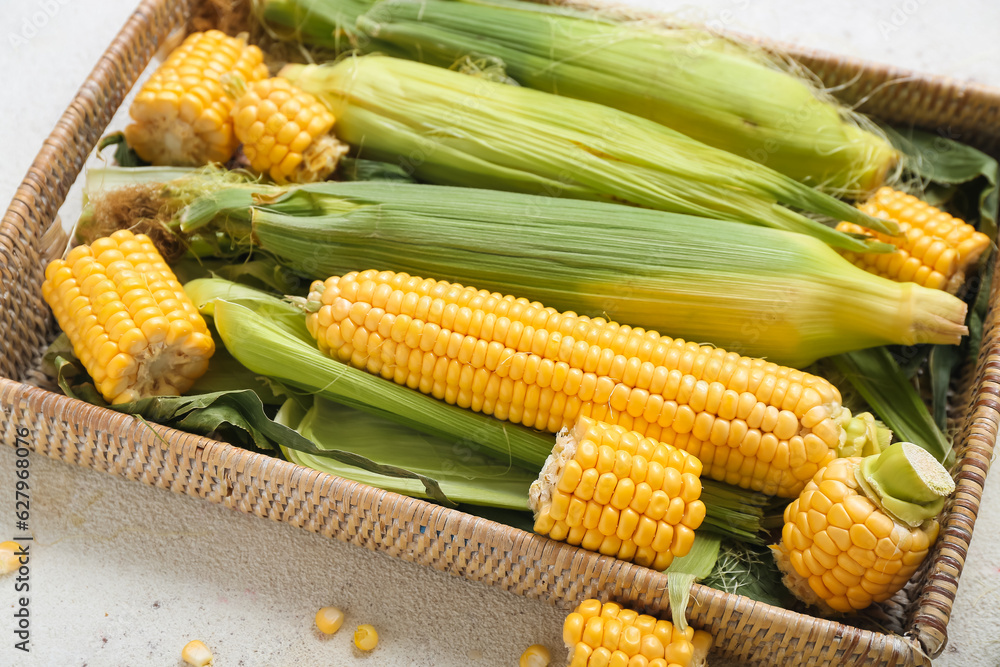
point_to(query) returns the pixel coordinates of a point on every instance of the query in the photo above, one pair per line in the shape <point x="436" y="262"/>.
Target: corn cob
<point x="129" y="320"/>
<point x="269" y="337"/>
<point x="449" y="128"/>
<point x="181" y="115"/>
<point x="752" y="423"/>
<point x="861" y="527"/>
<point x="606" y="634"/>
<point x="716" y="91"/>
<point x="285" y="132"/>
<point x="934" y="250"/>
<point x="610" y="490"/>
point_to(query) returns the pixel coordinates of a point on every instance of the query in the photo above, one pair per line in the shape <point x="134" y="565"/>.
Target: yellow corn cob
<point x="608" y="635"/>
<point x="129" y="320"/>
<point x="861" y="527"/>
<point x="181" y="114"/>
<point x="935" y="249"/>
<point x="613" y="491"/>
<point x="285" y="132"/>
<point x="750" y="422"/>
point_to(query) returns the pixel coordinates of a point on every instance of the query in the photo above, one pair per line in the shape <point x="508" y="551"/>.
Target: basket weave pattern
<point x="420" y="532"/>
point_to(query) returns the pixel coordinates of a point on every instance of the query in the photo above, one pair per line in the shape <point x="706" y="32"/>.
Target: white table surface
<point x="124" y="575"/>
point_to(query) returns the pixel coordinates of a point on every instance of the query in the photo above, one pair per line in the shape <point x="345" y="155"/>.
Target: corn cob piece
<point x="285" y="132"/>
<point x="129" y="320"/>
<point x="862" y="526"/>
<point x="181" y="114"/>
<point x="752" y="423"/>
<point x="611" y="490"/>
<point x="606" y="634"/>
<point x="934" y="250"/>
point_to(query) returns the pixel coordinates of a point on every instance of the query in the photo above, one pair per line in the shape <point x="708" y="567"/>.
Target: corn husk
<point x="454" y="129"/>
<point x="728" y="95"/>
<point x="760" y="292"/>
<point x="470" y="478"/>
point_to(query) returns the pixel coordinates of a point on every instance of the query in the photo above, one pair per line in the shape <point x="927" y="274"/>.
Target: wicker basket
<point x="447" y="540"/>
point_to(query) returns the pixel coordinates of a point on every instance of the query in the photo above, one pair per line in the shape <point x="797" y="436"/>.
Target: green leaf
<point x="463" y="474"/>
<point x="943" y="160"/>
<point x="880" y="381"/>
<point x="697" y="564"/>
<point x="943" y="360"/>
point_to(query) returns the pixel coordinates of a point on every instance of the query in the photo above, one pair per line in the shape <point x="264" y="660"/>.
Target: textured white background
<point x="123" y="575"/>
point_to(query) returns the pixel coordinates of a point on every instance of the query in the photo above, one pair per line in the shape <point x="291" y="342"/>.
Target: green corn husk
<point x="454" y="129"/>
<point x="731" y="96"/>
<point x="464" y="477"/>
<point x="880" y="381"/>
<point x="760" y="292"/>
<point x="269" y="336"/>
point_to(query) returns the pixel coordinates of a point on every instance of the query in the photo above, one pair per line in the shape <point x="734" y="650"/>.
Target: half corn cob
<point x="861" y="527"/>
<point x="613" y="491"/>
<point x="285" y="132"/>
<point x="752" y="423"/>
<point x="716" y="91"/>
<point x="450" y="128"/>
<point x="129" y="320"/>
<point x="181" y="114"/>
<point x="934" y="250"/>
<point x="606" y="634"/>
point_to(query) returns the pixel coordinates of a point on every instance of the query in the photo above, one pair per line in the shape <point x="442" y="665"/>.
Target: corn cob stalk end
<point x="861" y="527"/>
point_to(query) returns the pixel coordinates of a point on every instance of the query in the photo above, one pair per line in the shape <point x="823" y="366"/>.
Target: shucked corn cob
<point x="861" y="527"/>
<point x="285" y="132"/>
<point x="611" y="490"/>
<point x="935" y="249"/>
<point x="181" y="115"/>
<point x="129" y="320"/>
<point x="751" y="423"/>
<point x="606" y="634"/>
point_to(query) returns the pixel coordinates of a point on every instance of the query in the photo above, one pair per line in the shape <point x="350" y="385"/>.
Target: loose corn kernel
<point x="196" y="654"/>
<point x="544" y="369"/>
<point x="9" y="561"/>
<point x="934" y="249"/>
<point x="535" y="655"/>
<point x="365" y="637"/>
<point x="329" y="620"/>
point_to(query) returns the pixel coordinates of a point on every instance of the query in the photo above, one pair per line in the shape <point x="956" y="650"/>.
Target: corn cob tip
<point x="933" y="248"/>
